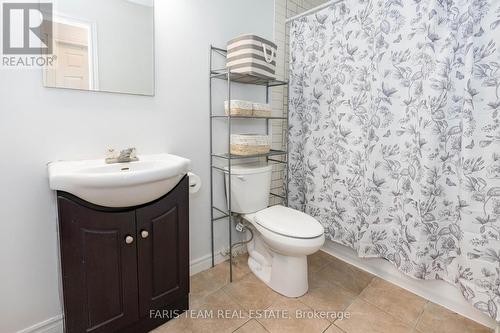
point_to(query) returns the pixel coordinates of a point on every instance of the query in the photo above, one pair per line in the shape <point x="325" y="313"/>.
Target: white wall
<point x="39" y="124"/>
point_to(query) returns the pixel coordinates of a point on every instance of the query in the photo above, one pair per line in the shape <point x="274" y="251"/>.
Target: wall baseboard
<point x="203" y="263"/>
<point x="55" y="324"/>
<point x="439" y="292"/>
<point x="51" y="325"/>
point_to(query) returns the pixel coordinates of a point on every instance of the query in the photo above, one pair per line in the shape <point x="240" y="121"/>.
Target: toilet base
<point x="289" y="275"/>
<point x="286" y="275"/>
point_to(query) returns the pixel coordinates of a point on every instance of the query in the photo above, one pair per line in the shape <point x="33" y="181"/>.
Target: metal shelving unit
<point x="272" y="156"/>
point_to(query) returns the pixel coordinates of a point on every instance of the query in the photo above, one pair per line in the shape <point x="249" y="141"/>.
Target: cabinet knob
<point x="129" y="239"/>
<point x="144" y="234"/>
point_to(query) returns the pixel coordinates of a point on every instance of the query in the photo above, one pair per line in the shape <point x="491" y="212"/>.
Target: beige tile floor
<point x="373" y="305"/>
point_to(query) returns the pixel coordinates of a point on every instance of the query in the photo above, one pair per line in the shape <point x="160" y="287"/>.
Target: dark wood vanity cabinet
<point x="124" y="270"/>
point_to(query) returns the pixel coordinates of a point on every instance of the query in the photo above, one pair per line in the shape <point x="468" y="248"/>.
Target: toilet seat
<point x="287" y="222"/>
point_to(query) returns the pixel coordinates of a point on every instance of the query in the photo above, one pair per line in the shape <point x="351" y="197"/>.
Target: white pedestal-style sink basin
<point x="120" y="184"/>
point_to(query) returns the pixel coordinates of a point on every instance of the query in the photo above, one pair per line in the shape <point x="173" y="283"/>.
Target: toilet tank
<point x="250" y="187"/>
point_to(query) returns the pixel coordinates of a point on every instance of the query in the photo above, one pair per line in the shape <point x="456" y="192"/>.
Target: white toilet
<point x="283" y="237"/>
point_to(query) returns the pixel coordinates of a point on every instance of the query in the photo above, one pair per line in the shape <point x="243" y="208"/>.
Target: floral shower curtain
<point x="395" y="135"/>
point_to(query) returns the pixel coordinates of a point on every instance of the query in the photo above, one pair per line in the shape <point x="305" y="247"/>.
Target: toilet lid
<point x="289" y="222"/>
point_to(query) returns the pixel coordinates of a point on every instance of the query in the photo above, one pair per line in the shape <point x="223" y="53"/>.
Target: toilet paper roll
<point x="194" y="183"/>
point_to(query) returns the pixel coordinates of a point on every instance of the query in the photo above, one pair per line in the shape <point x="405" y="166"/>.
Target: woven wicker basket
<point x="261" y="110"/>
<point x="239" y="108"/>
<point x="250" y="144"/>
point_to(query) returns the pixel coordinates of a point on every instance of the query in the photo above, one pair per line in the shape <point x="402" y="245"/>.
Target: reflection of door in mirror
<point x="73" y="49"/>
<point x="102" y="46"/>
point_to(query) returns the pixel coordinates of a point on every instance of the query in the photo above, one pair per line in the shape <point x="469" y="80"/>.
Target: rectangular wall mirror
<point x="103" y="46"/>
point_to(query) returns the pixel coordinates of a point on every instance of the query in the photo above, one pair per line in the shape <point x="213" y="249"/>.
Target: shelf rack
<point x="272" y="156"/>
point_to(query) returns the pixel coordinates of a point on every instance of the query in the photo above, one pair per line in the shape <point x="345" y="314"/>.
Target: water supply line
<point x="241" y="227"/>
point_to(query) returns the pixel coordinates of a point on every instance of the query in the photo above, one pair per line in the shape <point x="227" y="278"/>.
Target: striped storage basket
<point x="253" y="55"/>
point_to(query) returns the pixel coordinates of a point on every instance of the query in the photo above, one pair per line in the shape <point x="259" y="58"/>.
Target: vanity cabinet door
<point x="163" y="251"/>
<point x="99" y="267"/>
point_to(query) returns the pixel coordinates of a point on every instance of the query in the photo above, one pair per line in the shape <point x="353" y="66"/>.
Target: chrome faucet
<point x="125" y="156"/>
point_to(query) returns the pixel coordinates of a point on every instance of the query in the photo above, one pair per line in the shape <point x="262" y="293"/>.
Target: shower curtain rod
<point x="313" y="10"/>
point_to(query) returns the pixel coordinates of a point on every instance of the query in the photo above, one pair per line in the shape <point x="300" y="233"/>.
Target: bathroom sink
<point x="120" y="184"/>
